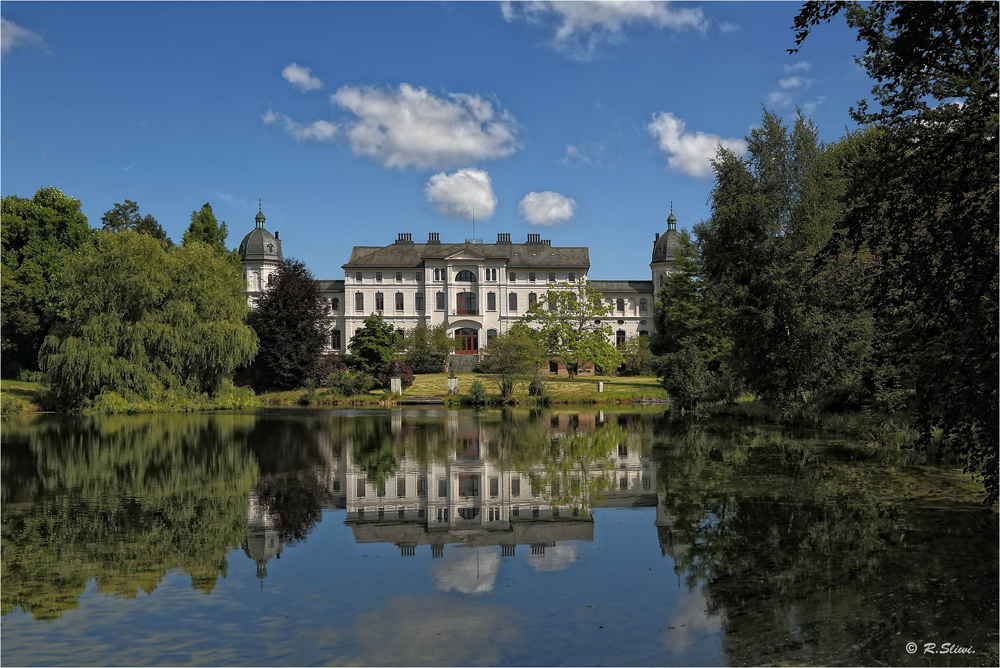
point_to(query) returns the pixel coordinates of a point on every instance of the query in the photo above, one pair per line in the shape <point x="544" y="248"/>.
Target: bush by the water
<point x="398" y="369"/>
<point x="349" y="383"/>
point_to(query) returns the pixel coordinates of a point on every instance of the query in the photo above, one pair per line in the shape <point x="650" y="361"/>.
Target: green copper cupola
<point x="260" y="216"/>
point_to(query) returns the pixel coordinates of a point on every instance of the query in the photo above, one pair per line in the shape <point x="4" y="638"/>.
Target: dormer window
<point x="270" y="248"/>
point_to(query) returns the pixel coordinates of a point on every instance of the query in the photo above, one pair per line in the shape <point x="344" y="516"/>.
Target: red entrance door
<point x="466" y="341"/>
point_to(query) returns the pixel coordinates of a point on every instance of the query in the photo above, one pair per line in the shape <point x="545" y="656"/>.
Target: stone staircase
<point x="463" y="363"/>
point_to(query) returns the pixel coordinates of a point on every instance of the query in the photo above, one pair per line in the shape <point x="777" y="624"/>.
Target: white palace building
<point x="475" y="289"/>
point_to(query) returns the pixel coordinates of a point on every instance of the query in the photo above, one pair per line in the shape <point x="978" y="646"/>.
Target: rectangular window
<point x="439" y="301"/>
<point x="494" y="486"/>
<point x="513" y="276"/>
<point x="399" y="301"/>
<point x="401" y="513"/>
<point x="515" y="512"/>
<point x="572" y="276"/>
<point x="552" y="301"/>
<point x="379" y="302"/>
<point x="491" y="301"/>
<point x="468" y="484"/>
<point x="552" y="277"/>
<point x="335" y="339"/>
<point x="401" y="487"/>
<point x="532" y="299"/>
<point x="418" y="301"/>
<point x="531" y="277"/>
<point x="515" y="487"/>
<point x="399" y="277"/>
<point x="418" y="276"/>
<point x="358" y="277"/>
<point x="359" y="302"/>
<point x="512" y="302"/>
<point x="378" y="276"/>
<point x="442" y="487"/>
<point x="361" y="488"/>
<point x="421" y="486"/>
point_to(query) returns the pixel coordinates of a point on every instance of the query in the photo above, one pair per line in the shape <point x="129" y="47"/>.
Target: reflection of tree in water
<point x="119" y="500"/>
<point x="807" y="559"/>
<point x="294" y="502"/>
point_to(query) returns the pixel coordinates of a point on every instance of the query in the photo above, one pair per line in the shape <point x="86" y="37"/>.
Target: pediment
<point x="464" y="255"/>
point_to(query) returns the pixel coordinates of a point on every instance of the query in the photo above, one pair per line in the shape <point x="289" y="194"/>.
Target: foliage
<point x="126" y="216"/>
<point x="797" y="326"/>
<point x="925" y="202"/>
<point x="426" y="349"/>
<point x="147" y="324"/>
<point x="372" y="346"/>
<point x="349" y="383"/>
<point x="207" y="229"/>
<point x="398" y="369"/>
<point x="686" y="376"/>
<point x="689" y="308"/>
<point x="477" y="393"/>
<point x="512" y="357"/>
<point x="638" y="357"/>
<point x="141" y="497"/>
<point x="570" y="327"/>
<point x="34" y="233"/>
<point x="291" y="320"/>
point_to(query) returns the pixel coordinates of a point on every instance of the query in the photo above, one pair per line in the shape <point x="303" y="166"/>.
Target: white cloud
<point x="726" y="26"/>
<point x="300" y="78"/>
<point x="317" y="130"/>
<point x="412" y="127"/>
<point x="583" y="26"/>
<point x="688" y="153"/>
<point x="13" y="36"/>
<point x="546" y="208"/>
<point x="783" y="96"/>
<point x="801" y="66"/>
<point x="460" y="194"/>
<point x="794" y="82"/>
<point x="588" y="153"/>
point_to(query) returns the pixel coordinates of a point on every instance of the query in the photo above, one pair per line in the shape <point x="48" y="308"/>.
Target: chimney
<point x="657" y="237"/>
<point x="276" y="234"/>
<point x="432" y="238"/>
<point x="534" y="239"/>
<point x="503" y="237"/>
<point x="404" y="238"/>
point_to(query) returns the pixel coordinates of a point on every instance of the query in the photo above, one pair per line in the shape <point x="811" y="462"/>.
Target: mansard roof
<point x="331" y="286"/>
<point x="627" y="287"/>
<point x="515" y="256"/>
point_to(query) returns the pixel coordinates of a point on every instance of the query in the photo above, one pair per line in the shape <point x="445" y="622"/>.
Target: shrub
<point x="349" y="383"/>
<point x="477" y="393"/>
<point x="397" y="368"/>
<point x="30" y="376"/>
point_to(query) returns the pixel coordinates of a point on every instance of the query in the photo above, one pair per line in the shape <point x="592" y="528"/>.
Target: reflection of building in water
<point x="467" y="498"/>
<point x="262" y="541"/>
<point x="671" y="542"/>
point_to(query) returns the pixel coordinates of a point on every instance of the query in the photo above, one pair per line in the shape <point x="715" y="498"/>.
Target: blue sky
<point x="353" y="122"/>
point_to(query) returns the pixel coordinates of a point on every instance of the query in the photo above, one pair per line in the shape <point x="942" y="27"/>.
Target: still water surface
<point x="457" y="538"/>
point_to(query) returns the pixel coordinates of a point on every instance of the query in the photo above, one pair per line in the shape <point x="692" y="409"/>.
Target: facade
<point x="476" y="290"/>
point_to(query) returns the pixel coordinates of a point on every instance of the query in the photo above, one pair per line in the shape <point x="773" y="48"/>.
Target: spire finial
<point x="260" y="207"/>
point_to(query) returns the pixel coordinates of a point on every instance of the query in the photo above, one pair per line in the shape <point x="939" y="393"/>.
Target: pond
<point x="442" y="537"/>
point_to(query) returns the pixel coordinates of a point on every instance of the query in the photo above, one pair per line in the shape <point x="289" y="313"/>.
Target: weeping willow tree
<point x="145" y="327"/>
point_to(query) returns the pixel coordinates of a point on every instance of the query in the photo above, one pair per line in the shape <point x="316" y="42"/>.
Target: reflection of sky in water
<point x="557" y="558"/>
<point x="467" y="570"/>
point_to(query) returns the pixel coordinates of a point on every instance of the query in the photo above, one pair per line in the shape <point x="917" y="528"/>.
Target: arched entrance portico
<point x="466" y="341"/>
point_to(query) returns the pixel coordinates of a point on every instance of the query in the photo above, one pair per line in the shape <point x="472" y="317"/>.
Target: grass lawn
<point x="18" y="396"/>
<point x="559" y="388"/>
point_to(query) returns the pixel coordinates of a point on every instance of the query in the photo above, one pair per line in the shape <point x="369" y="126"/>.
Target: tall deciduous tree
<point x="292" y="321"/>
<point x="512" y="357"/>
<point x="426" y="349"/>
<point x="373" y="346"/>
<point x="926" y="206"/>
<point x="571" y="326"/>
<point x="146" y="324"/>
<point x="796" y="330"/>
<point x="35" y="233"/>
<point x="126" y="216"/>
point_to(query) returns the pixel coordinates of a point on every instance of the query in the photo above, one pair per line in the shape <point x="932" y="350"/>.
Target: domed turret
<point x="260" y="245"/>
<point x="260" y="252"/>
<point x="664" y="246"/>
